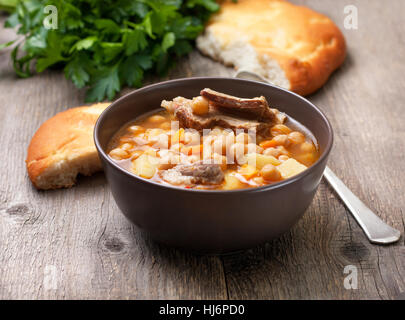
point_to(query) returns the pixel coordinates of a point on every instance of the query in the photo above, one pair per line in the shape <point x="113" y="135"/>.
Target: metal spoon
<point x="376" y="230"/>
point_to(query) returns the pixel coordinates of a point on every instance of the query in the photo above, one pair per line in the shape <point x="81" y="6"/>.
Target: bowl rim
<point x="269" y="187"/>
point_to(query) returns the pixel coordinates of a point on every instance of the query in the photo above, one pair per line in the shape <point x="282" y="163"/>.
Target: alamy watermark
<point x="351" y="21"/>
<point x="350" y="282"/>
<point x="51" y="20"/>
<point x="50" y="281"/>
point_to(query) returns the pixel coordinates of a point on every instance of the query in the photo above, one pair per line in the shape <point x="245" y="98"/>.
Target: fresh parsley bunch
<point x="106" y="44"/>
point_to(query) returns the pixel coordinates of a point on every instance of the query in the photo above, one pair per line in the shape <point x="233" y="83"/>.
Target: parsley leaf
<point x="169" y="40"/>
<point x="104" y="45"/>
<point x="131" y="72"/>
<point x="106" y="83"/>
<point x="52" y="55"/>
<point x="78" y="70"/>
<point x="134" y="41"/>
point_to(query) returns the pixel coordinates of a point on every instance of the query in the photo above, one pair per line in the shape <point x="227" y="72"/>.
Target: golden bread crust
<point x="64" y="142"/>
<point x="307" y="45"/>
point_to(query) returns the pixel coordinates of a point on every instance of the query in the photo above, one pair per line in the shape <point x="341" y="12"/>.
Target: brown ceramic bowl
<point x="212" y="221"/>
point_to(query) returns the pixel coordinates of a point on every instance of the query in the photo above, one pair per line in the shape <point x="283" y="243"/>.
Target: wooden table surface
<point x="76" y="244"/>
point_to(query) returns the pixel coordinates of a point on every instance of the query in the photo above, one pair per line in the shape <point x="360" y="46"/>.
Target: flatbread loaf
<point x="63" y="147"/>
<point x="292" y="46"/>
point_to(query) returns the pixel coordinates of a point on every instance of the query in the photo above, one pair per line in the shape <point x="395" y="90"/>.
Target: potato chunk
<point x="290" y="167"/>
<point x="145" y="166"/>
<point x="260" y="160"/>
<point x="247" y="171"/>
<point x="232" y="183"/>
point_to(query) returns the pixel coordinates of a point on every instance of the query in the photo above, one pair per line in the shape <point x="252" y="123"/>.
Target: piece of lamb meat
<point x="257" y="107"/>
<point x="181" y="108"/>
<point x="187" y="119"/>
<point x="192" y="174"/>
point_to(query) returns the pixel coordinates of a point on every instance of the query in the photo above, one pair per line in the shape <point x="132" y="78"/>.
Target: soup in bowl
<point x="215" y="142"/>
<point x="213" y="170"/>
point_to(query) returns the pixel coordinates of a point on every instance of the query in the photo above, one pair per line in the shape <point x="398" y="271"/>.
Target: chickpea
<point x="243" y="138"/>
<point x="191" y="138"/>
<point x="200" y="105"/>
<point x="178" y="136"/>
<point x="164" y="165"/>
<point x="270" y="173"/>
<point x="153" y="134"/>
<point x="126" y="146"/>
<point x="142" y="136"/>
<point x="156" y="119"/>
<point x="230" y="140"/>
<point x="161" y="141"/>
<point x="208" y="140"/>
<point x="165" y="125"/>
<point x="136" y="129"/>
<point x="207" y="152"/>
<point x="253" y="148"/>
<point x="228" y="132"/>
<point x="279" y="129"/>
<point x="221" y="160"/>
<point x="177" y="147"/>
<point x="296" y="137"/>
<point x="307" y="147"/>
<point x="237" y="152"/>
<point x="272" y="152"/>
<point x="283" y="158"/>
<point x="216" y="131"/>
<point x="219" y="145"/>
<point x="230" y="135"/>
<point x="283" y="151"/>
<point x="282" y="140"/>
<point x="193" y="158"/>
<point x="192" y="150"/>
<point x="136" y="154"/>
<point x="167" y="162"/>
<point x="150" y="152"/>
<point x="119" y="154"/>
<point x="238" y="147"/>
<point x="126" y="139"/>
<point x="258" y="180"/>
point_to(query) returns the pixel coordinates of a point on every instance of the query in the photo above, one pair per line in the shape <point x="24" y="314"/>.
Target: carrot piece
<point x="178" y="136"/>
<point x="268" y="144"/>
<point x="248" y="171"/>
<point x="190" y="150"/>
<point x="196" y="149"/>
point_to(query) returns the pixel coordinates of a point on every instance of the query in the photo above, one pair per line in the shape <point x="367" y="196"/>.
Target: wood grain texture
<point x="80" y="236"/>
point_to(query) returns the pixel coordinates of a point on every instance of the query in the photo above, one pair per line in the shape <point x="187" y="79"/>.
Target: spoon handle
<point x="376" y="230"/>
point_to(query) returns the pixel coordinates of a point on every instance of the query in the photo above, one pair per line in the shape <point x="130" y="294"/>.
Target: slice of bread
<point x="63" y="147"/>
<point x="292" y="46"/>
